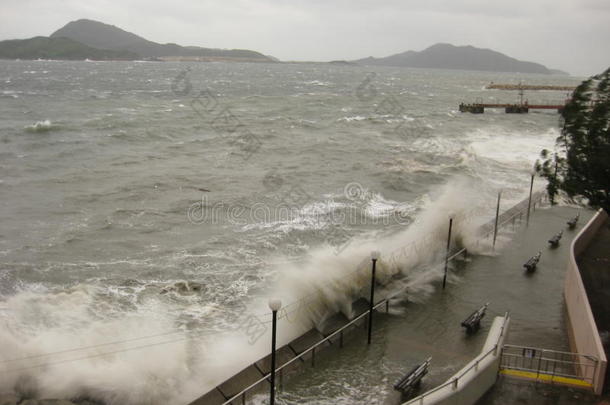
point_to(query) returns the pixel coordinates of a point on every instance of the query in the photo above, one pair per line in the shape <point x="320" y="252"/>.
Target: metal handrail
<point x="551" y="351"/>
<point x="455" y="381"/>
<point x="305" y="352"/>
<point x="536" y="197"/>
<point x="582" y="363"/>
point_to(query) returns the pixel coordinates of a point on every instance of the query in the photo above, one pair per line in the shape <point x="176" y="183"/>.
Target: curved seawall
<point x="470" y="383"/>
<point x="582" y="330"/>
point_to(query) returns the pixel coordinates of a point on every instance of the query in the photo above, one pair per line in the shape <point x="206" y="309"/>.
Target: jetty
<point x="522" y="107"/>
<point x="521" y="86"/>
<point x="516" y="108"/>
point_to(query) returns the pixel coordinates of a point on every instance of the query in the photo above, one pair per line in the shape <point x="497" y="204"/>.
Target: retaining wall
<point x="582" y="329"/>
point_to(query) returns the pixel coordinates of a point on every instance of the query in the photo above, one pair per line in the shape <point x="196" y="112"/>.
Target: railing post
<point x="529" y="201"/>
<point x="448" y="250"/>
<point x="313" y="357"/>
<point x="496" y="222"/>
<point x="374" y="257"/>
<point x="341" y="339"/>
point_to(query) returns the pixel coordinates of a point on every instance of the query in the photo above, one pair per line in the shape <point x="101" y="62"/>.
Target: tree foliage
<point x="581" y="165"/>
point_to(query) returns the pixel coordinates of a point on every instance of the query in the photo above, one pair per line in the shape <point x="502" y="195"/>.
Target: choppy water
<point x="119" y="180"/>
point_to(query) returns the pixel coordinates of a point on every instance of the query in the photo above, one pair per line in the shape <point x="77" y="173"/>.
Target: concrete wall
<point x="582" y="330"/>
<point x="476" y="377"/>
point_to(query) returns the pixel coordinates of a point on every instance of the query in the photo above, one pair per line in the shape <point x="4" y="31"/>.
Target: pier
<point x="522" y="107"/>
<point x="521" y="86"/>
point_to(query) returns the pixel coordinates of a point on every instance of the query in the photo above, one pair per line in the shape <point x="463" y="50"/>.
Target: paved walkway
<point x="594" y="264"/>
<point x="513" y="391"/>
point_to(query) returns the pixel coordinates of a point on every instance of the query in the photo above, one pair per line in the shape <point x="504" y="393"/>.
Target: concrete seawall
<point x="470" y="383"/>
<point x="582" y="330"/>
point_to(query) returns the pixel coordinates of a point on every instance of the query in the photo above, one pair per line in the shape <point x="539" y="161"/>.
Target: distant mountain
<point x="57" y="48"/>
<point x="447" y="56"/>
<point x="104" y="36"/>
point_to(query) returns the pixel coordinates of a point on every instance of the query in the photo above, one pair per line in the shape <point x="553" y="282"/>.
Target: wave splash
<point x="41" y="126"/>
<point x="126" y="360"/>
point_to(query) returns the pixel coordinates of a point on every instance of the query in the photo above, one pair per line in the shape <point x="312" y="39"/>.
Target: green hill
<point x="104" y="36"/>
<point x="447" y="56"/>
<point x="57" y="48"/>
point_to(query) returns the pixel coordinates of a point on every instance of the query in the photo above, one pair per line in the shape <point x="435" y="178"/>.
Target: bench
<point x="473" y="322"/>
<point x="531" y="264"/>
<point x="554" y="241"/>
<point x="572" y="222"/>
<point x="412" y="379"/>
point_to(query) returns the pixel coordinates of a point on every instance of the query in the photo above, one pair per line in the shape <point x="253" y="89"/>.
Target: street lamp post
<point x="529" y="201"/>
<point x="374" y="257"/>
<point x="496" y="222"/>
<point x="447" y="251"/>
<point x="274" y="306"/>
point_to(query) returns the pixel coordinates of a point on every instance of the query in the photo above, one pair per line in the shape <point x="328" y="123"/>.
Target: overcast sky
<point x="572" y="35"/>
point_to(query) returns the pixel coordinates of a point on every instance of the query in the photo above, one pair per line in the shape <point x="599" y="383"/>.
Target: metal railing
<point x="511" y="215"/>
<point x="312" y="349"/>
<point x="549" y="365"/>
<point x="455" y="381"/>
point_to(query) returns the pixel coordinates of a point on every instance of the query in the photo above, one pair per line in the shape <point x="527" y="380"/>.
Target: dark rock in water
<point x="184" y="287"/>
<point x="9" y="399"/>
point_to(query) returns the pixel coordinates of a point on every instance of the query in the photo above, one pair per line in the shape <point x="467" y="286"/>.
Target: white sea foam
<point x="353" y="118"/>
<point x="41" y="126"/>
